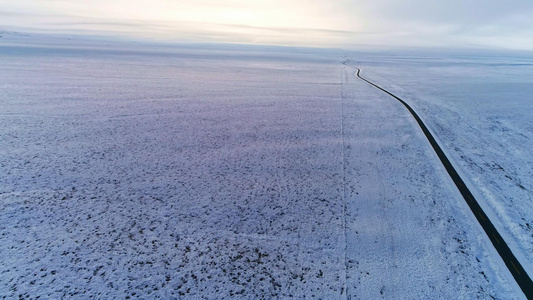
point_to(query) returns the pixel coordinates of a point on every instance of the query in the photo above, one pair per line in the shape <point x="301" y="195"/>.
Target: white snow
<point x="480" y="108"/>
<point x="211" y="174"/>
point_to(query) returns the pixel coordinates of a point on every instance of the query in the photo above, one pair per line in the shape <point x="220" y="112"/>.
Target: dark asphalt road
<point x="501" y="246"/>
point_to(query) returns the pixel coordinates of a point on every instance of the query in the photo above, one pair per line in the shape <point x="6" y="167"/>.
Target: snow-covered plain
<point x="212" y="174"/>
<point x="481" y="110"/>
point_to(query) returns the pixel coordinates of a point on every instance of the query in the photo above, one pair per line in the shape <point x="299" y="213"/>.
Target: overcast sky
<point x="325" y="23"/>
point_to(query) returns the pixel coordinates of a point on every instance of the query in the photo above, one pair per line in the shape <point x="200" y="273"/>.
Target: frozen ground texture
<point x="199" y="174"/>
<point x="481" y="109"/>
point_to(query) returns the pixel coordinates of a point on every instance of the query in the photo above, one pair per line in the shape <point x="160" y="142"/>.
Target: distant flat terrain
<point x="223" y="173"/>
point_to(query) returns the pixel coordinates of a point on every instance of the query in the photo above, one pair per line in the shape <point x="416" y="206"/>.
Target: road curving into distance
<point x="514" y="266"/>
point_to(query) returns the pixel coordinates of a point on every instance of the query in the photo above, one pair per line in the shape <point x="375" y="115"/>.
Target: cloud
<point x="333" y="23"/>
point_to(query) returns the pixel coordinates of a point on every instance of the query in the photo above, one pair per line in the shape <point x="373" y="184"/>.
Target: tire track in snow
<point x="344" y="76"/>
<point x="514" y="266"/>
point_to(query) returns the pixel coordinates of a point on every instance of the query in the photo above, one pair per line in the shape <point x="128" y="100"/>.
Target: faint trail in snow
<point x="344" y="76"/>
<point x="514" y="266"/>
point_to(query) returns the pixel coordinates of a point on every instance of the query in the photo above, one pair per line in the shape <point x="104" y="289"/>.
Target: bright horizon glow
<point x="335" y="23"/>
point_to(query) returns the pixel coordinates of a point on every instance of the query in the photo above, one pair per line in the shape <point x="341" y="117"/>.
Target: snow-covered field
<point x="196" y="173"/>
<point x="481" y="109"/>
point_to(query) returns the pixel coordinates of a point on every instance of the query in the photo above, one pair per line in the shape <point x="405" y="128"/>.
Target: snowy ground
<point x="482" y="111"/>
<point x="202" y="174"/>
